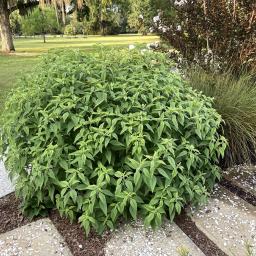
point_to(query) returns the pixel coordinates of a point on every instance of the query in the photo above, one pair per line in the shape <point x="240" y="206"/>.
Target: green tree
<point x="6" y="8"/>
<point x="40" y="22"/>
<point x="15" y="22"/>
<point x="98" y="13"/>
<point x="139" y="18"/>
<point x="9" y="6"/>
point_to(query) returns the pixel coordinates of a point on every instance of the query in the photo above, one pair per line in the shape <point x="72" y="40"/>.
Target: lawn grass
<point x="11" y="67"/>
<point x="28" y="49"/>
<point x="36" y="45"/>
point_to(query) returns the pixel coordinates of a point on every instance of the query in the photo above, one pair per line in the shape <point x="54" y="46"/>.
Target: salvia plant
<point x="109" y="134"/>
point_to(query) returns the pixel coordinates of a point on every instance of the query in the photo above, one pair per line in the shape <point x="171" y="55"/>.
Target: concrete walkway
<point x="39" y="238"/>
<point x="227" y="220"/>
<point x="136" y="240"/>
<point x="243" y="177"/>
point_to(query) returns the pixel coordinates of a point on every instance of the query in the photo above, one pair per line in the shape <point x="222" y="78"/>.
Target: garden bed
<point x="11" y="218"/>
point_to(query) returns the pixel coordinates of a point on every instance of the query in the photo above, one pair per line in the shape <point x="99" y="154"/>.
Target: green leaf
<point x="149" y="219"/>
<point x="158" y="219"/>
<point x="108" y="156"/>
<point x="160" y="129"/>
<point x="107" y="192"/>
<point x="63" y="163"/>
<point x="152" y="183"/>
<point x="63" y="184"/>
<point x="137" y="177"/>
<point x="103" y="203"/>
<point x="133" y="208"/>
<point x="65" y="116"/>
<point x="163" y="173"/>
<point x="113" y="214"/>
<point x="178" y="207"/>
<point x="119" y="174"/>
<point x="175" y="123"/>
<point x="129" y="185"/>
<point x="171" y="161"/>
<point x="132" y="163"/>
<point x="73" y="195"/>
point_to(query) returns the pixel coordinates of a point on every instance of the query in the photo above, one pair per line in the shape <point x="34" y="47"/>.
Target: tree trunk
<point x="5" y="28"/>
<point x="63" y="12"/>
<point x="75" y="13"/>
<point x="44" y="38"/>
<point x="100" y="17"/>
<point x="56" y="12"/>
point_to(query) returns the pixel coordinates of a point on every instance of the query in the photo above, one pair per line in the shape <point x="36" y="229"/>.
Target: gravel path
<point x="5" y="184"/>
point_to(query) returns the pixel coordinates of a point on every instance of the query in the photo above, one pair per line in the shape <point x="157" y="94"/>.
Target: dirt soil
<point x="11" y="218"/>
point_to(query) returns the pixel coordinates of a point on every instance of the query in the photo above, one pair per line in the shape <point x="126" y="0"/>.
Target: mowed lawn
<point x="11" y="67"/>
<point x="36" y="45"/>
<point x="28" y="51"/>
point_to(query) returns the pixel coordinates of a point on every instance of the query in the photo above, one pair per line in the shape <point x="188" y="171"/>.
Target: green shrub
<point x="235" y="101"/>
<point x="74" y="28"/>
<point x="110" y="134"/>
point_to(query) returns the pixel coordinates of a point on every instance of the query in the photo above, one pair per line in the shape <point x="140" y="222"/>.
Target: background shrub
<point x="235" y="101"/>
<point x="108" y="135"/>
<point x="212" y="33"/>
<point x="75" y="28"/>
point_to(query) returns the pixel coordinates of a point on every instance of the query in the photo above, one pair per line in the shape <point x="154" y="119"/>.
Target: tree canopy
<point x="39" y="22"/>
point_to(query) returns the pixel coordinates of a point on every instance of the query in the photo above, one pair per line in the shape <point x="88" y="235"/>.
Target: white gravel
<point x="6" y="186"/>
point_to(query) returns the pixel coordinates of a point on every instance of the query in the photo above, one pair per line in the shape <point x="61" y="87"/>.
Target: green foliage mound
<point x="111" y="134"/>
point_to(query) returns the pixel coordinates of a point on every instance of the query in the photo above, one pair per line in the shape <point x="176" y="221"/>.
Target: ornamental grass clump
<point x="235" y="100"/>
<point x="111" y="134"/>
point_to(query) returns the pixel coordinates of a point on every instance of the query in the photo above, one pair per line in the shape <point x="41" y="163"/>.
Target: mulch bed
<point x="75" y="237"/>
<point x="11" y="218"/>
<point x="207" y="246"/>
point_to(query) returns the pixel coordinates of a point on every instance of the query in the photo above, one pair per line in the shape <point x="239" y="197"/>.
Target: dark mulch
<point x="207" y="246"/>
<point x="250" y="198"/>
<point x="11" y="218"/>
<point x="75" y="237"/>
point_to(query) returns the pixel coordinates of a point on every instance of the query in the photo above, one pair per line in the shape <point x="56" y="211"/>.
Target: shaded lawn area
<point x="28" y="49"/>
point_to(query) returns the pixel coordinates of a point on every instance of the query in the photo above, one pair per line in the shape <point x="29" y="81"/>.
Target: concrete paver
<point x="243" y="177"/>
<point x="228" y="221"/>
<point x="39" y="238"/>
<point x="136" y="240"/>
